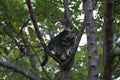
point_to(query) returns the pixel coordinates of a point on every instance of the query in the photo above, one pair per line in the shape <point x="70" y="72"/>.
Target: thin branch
<point x="116" y="71"/>
<point x="116" y="52"/>
<point x="28" y="2"/>
<point x="116" y="64"/>
<point x="18" y="69"/>
<point x="8" y="32"/>
<point x="24" y="25"/>
<point x="5" y="28"/>
<point x="23" y="48"/>
<point x="48" y="77"/>
<point x="68" y="16"/>
<point x="32" y="61"/>
<point x="67" y="13"/>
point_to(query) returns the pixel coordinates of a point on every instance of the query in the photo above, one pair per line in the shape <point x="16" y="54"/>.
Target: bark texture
<point x="108" y="40"/>
<point x="91" y="40"/>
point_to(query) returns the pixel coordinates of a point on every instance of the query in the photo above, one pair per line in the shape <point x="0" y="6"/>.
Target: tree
<point x="109" y="52"/>
<point x="91" y="41"/>
<point x="27" y="25"/>
<point x="24" y="45"/>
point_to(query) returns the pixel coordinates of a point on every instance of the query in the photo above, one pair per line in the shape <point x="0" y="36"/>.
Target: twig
<point x="116" y="52"/>
<point x="24" y="25"/>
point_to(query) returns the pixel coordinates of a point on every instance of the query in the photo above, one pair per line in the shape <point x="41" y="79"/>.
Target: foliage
<point x="13" y="22"/>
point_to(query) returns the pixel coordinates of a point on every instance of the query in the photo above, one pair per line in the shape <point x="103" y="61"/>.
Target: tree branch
<point x="77" y="41"/>
<point x="67" y="17"/>
<point x="116" y="71"/>
<point x="25" y="23"/>
<point x="74" y="49"/>
<point x="67" y="12"/>
<point x="28" y="2"/>
<point x="35" y="23"/>
<point x="18" y="69"/>
<point x="24" y="49"/>
<point x="116" y="52"/>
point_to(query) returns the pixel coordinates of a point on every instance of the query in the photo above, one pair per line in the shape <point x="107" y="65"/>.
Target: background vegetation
<point x="17" y="36"/>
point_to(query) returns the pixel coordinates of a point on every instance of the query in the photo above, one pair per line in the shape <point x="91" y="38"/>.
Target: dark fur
<point x="61" y="44"/>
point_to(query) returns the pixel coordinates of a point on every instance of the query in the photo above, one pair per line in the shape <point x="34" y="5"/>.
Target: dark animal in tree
<point x="61" y="45"/>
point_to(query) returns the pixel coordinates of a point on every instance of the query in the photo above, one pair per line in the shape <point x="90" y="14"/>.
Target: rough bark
<point x="108" y="40"/>
<point x="91" y="40"/>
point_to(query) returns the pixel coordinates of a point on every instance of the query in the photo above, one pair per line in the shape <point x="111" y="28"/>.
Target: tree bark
<point x="108" y="40"/>
<point x="64" y="74"/>
<point x="91" y="40"/>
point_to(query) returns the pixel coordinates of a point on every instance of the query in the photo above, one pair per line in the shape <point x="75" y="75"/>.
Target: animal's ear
<point x="60" y="25"/>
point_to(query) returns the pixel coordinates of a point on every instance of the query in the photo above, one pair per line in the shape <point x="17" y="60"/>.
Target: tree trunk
<point x="91" y="40"/>
<point x="64" y="70"/>
<point x="64" y="74"/>
<point x="108" y="40"/>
